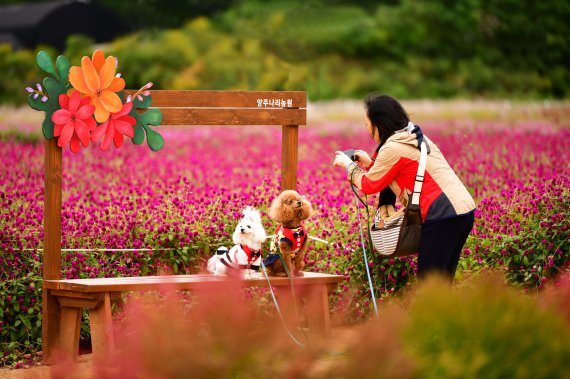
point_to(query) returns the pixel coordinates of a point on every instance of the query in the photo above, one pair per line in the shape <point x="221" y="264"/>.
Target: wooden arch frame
<point x="285" y="108"/>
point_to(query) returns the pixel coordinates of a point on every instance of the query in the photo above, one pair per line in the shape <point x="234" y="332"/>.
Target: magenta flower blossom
<point x="192" y="192"/>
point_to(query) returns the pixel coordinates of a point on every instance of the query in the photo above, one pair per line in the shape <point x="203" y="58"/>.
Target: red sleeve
<point x="374" y="184"/>
<point x="380" y="175"/>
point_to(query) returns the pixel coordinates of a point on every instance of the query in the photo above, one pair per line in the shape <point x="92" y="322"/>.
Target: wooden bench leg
<point x="318" y="316"/>
<point x="102" y="338"/>
<point x="70" y="310"/>
<point x="70" y="326"/>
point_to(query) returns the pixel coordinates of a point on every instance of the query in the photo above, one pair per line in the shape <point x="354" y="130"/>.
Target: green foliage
<point x="78" y="46"/>
<point x="483" y="330"/>
<point x="486" y="330"/>
<point x="532" y="36"/>
<point x="149" y="57"/>
<point x="298" y="31"/>
<point x="20" y="313"/>
<point x="141" y="14"/>
<point x="537" y="254"/>
<point x="19" y="136"/>
<point x="538" y="251"/>
<point x="21" y="288"/>
<point x="17" y="68"/>
<point x="339" y="49"/>
<point x="413" y="49"/>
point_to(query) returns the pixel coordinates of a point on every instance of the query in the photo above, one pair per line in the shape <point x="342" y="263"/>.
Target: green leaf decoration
<point x="55" y="84"/>
<point x="145" y="103"/>
<point x="45" y="63"/>
<point x="63" y="67"/>
<point x="154" y="140"/>
<point x="47" y="128"/>
<point x="138" y="138"/>
<point x="37" y="103"/>
<point x="151" y="117"/>
<point x="53" y="88"/>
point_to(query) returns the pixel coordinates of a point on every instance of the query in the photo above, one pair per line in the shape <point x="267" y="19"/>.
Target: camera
<point x="351" y="154"/>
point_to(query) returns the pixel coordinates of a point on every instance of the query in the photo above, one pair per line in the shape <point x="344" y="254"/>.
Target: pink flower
<point x="74" y="121"/>
<point x="118" y="125"/>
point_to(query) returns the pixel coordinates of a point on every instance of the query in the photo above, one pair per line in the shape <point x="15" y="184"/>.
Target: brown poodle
<point x="288" y="209"/>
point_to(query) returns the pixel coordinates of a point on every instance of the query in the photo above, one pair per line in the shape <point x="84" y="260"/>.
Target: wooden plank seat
<point x="96" y="295"/>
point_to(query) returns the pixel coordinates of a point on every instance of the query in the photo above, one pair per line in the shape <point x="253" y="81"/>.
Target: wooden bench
<point x="96" y="295"/>
<point x="63" y="300"/>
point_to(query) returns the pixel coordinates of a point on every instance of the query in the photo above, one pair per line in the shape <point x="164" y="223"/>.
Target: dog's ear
<point x="259" y="232"/>
<point x="279" y="211"/>
<point x="236" y="236"/>
<point x="307" y="207"/>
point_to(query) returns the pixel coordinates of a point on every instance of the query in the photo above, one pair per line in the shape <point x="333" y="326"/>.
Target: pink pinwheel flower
<point x="74" y="121"/>
<point x="118" y="125"/>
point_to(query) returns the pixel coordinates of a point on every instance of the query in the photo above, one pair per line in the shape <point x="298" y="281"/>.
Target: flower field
<point x="185" y="200"/>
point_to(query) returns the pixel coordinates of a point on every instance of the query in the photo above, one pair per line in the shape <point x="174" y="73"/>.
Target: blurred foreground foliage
<point x="483" y="329"/>
<point x="337" y="49"/>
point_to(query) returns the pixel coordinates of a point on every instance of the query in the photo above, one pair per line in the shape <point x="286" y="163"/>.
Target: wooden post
<point x="52" y="247"/>
<point x="289" y="153"/>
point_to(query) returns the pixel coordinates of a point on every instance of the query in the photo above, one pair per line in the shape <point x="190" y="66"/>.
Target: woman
<point x="447" y="208"/>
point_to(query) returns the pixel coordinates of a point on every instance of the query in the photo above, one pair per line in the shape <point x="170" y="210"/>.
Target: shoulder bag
<point x="400" y="234"/>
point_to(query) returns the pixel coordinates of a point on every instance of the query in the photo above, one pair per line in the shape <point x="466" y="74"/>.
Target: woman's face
<point x="373" y="131"/>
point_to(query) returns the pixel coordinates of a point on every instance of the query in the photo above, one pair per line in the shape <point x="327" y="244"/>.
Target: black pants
<point x="441" y="245"/>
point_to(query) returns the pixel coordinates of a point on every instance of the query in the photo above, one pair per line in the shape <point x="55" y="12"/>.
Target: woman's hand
<point x="362" y="159"/>
<point x="342" y="160"/>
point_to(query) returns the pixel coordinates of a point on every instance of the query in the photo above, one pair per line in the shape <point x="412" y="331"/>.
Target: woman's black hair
<point x="386" y="115"/>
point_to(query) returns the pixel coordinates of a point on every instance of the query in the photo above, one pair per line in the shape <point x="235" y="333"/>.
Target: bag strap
<point x="420" y="175"/>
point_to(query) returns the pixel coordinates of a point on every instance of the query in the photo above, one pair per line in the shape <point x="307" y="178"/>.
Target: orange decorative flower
<point x="96" y="79"/>
<point x="74" y="121"/>
<point x="117" y="125"/>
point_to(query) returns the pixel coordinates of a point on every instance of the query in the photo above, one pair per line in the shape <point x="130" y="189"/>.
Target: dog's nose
<point x="242" y="230"/>
<point x="298" y="203"/>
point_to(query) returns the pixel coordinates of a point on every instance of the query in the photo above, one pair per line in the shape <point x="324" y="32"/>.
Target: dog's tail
<point x="211" y="266"/>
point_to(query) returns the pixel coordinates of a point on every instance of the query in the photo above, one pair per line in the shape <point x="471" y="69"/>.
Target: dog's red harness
<point x="252" y="255"/>
<point x="253" y="259"/>
<point x="295" y="237"/>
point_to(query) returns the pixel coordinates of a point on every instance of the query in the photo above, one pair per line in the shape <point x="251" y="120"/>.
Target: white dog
<point x="246" y="253"/>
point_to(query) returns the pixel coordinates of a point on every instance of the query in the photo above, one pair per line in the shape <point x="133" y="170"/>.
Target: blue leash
<point x="366" y="260"/>
<point x="278" y="309"/>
